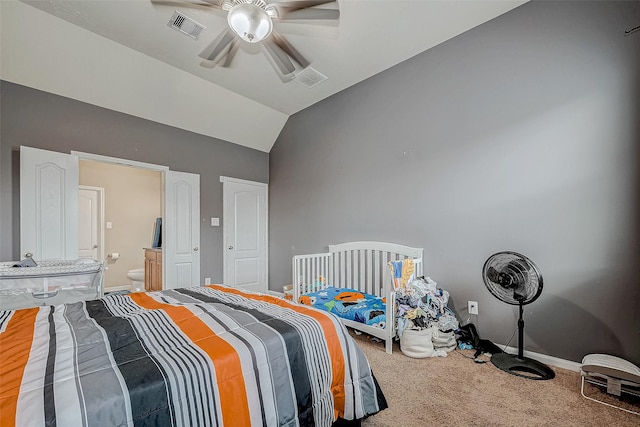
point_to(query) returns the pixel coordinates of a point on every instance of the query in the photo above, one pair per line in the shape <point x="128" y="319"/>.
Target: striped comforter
<point x="188" y="357"/>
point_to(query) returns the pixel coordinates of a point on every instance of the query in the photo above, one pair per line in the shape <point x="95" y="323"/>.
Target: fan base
<point x="522" y="367"/>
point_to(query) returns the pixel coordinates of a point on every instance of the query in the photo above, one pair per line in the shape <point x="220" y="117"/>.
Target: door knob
<point x="196" y="249"/>
<point x="230" y="247"/>
<point x="95" y="246"/>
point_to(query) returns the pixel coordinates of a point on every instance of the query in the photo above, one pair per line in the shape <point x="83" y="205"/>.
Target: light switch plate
<point x="215" y="222"/>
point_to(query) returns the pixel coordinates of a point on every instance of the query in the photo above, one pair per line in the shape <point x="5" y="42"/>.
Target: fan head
<point x="512" y="278"/>
<point x="250" y="21"/>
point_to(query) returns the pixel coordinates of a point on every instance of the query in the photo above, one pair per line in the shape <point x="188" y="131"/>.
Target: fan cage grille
<point x="512" y="278"/>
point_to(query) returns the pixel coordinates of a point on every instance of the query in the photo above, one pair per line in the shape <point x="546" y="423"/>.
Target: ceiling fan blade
<point x="231" y="52"/>
<point x="218" y="47"/>
<point x="311" y="14"/>
<point x="298" y="4"/>
<point x="195" y="4"/>
<point x="213" y="2"/>
<point x="283" y="44"/>
<point x="280" y="58"/>
<point x="299" y="10"/>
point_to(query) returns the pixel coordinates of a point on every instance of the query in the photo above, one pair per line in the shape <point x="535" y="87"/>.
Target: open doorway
<point x="132" y="202"/>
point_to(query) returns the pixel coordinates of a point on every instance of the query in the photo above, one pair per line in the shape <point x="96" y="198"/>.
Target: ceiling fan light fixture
<point x="250" y="22"/>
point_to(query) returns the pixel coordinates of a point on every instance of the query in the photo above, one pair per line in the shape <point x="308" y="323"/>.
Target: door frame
<point x="149" y="166"/>
<point x="118" y="161"/>
<point x="227" y="179"/>
<point x="100" y="191"/>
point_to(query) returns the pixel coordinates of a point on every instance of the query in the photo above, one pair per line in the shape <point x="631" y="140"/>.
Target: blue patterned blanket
<point x="349" y="304"/>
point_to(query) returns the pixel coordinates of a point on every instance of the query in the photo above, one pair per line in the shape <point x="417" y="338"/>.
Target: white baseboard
<point x="117" y="288"/>
<point x="546" y="359"/>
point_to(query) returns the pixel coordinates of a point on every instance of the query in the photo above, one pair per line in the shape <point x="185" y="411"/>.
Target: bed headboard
<point x="356" y="265"/>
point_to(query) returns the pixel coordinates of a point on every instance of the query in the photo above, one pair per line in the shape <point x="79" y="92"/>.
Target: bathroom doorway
<point x="132" y="202"/>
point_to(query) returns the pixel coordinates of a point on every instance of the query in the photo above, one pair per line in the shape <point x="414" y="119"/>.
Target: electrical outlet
<point x="472" y="307"/>
<point x="207" y="280"/>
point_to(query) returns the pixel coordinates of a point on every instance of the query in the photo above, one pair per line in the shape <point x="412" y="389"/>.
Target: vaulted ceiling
<point x="123" y="55"/>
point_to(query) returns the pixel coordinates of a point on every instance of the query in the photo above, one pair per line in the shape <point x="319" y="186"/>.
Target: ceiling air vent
<point x="310" y="77"/>
<point x="186" y="25"/>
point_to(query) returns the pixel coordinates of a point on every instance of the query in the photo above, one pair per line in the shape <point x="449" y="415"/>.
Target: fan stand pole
<point x="521" y="333"/>
<point x="520" y="365"/>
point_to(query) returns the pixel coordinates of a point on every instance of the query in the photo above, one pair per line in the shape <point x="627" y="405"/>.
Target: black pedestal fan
<point x="513" y="278"/>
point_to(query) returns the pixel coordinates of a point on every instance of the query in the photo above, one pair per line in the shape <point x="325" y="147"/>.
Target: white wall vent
<point x="186" y="25"/>
<point x="310" y="77"/>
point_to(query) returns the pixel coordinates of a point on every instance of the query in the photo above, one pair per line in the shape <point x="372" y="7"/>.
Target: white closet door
<point x="48" y="204"/>
<point x="245" y="234"/>
<point x="90" y="213"/>
<point x="181" y="230"/>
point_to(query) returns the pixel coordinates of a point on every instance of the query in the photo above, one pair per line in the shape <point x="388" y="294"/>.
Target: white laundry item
<point x="418" y="344"/>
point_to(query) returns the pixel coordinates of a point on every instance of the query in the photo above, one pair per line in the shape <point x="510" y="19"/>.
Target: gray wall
<point x="521" y="134"/>
<point x="43" y="120"/>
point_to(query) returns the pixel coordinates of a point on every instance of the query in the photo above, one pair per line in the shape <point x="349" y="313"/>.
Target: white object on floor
<point x="137" y="279"/>
<point x="618" y="375"/>
<point x="418" y="344"/>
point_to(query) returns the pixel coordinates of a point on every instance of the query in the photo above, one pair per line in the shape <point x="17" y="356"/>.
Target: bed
<point x="352" y="270"/>
<point x="201" y="356"/>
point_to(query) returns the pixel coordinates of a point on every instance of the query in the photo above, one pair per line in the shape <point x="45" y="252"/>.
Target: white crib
<point x="362" y="266"/>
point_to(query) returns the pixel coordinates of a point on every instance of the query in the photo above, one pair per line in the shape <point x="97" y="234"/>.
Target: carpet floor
<point x="456" y="391"/>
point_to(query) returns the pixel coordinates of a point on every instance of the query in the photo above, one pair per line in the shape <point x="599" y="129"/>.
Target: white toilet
<point x="137" y="279"/>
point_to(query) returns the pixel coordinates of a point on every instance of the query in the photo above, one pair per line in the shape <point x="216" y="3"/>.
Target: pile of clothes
<point x="421" y="304"/>
<point x="421" y="309"/>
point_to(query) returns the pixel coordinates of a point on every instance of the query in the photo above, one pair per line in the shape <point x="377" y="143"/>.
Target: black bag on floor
<point x="469" y="334"/>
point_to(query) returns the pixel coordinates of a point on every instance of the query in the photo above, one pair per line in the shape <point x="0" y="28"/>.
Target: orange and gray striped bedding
<point x="201" y="356"/>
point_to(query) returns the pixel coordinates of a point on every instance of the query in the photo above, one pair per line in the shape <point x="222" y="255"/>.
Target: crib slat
<point x="370" y="267"/>
<point x="376" y="263"/>
<point x="366" y="271"/>
<point x="323" y="269"/>
<point x="345" y="270"/>
<point x="353" y="278"/>
<point x="384" y="259"/>
<point x="330" y="268"/>
<point x="387" y="257"/>
<point x="362" y="283"/>
<point x="354" y="270"/>
<point x="341" y="269"/>
<point x="314" y="274"/>
<point x="305" y="274"/>
<point x="357" y="275"/>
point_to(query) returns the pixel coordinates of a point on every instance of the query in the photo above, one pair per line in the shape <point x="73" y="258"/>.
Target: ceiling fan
<point x="252" y="21"/>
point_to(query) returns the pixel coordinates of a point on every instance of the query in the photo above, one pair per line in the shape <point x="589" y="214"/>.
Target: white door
<point x="48" y="204"/>
<point x="245" y="234"/>
<point x="181" y="235"/>
<point x="90" y="232"/>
